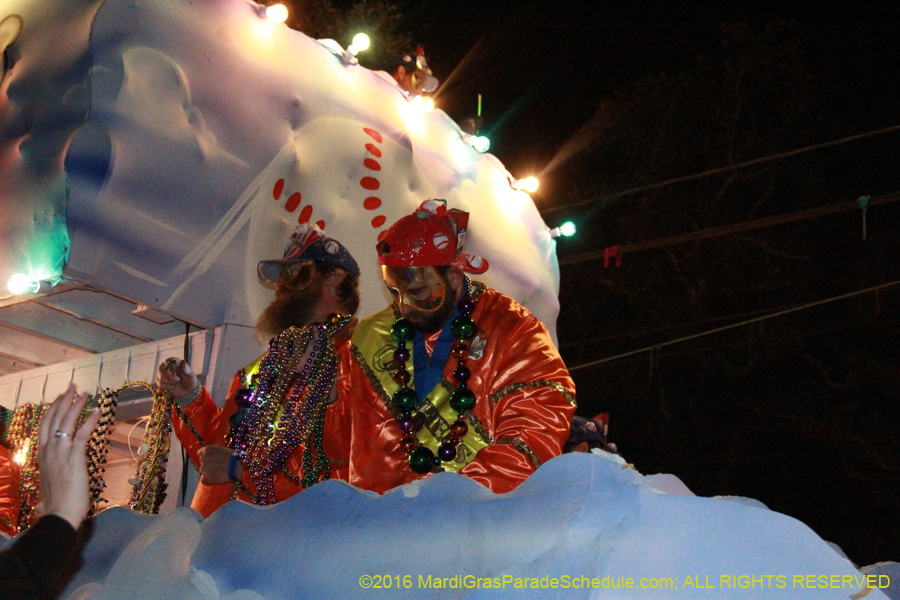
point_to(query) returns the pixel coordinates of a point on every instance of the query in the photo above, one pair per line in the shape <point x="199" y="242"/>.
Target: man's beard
<point x="287" y="310"/>
<point x="434" y="321"/>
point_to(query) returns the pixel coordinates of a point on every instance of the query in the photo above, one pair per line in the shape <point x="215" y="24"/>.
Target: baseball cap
<point x="307" y="242"/>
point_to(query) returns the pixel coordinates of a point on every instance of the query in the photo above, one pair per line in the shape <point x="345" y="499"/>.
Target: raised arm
<point x="61" y="454"/>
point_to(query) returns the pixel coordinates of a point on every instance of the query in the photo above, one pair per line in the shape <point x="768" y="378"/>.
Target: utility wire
<point x="745" y="344"/>
<point x="735" y="325"/>
<point x="724" y="169"/>
<point x="712" y="232"/>
<point x="647" y="332"/>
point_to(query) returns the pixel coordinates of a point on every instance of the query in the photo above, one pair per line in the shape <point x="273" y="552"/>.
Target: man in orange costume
<point x="9" y="484"/>
<point x="468" y="381"/>
<point x="316" y="278"/>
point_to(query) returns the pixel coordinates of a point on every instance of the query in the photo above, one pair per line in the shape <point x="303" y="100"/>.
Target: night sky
<point x="542" y="69"/>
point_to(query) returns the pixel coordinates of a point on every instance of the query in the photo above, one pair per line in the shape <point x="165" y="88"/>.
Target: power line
<point x="745" y="344"/>
<point x="724" y="169"/>
<point x="731" y="229"/>
<point x="735" y="325"/>
<point x="647" y="332"/>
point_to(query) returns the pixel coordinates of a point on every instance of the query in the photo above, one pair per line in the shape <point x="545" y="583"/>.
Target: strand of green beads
<point x="462" y="399"/>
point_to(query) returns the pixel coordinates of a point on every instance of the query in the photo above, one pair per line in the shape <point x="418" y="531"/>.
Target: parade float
<point x="151" y="153"/>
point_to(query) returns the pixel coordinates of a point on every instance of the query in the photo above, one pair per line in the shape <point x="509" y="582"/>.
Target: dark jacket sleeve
<point x="41" y="561"/>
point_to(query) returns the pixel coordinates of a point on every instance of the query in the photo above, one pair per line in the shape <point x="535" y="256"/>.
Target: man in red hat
<point x="277" y="458"/>
<point x="452" y="376"/>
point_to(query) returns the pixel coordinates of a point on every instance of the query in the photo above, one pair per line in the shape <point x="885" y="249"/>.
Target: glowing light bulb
<point x="423" y="104"/>
<point x="479" y="142"/>
<point x="361" y="42"/>
<point x="277" y="13"/>
<point x="529" y="184"/>
<point x="411" y="113"/>
<point x="22" y="284"/>
<point x="567" y="229"/>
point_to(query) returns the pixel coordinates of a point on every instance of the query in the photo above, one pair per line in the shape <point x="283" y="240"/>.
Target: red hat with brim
<point x="430" y="237"/>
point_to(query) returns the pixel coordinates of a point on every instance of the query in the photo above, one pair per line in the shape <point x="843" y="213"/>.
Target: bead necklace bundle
<point x="275" y="425"/>
<point x="98" y="445"/>
<point x="406" y="400"/>
<point x="19" y="431"/>
<point x="22" y="435"/>
<point x="149" y="483"/>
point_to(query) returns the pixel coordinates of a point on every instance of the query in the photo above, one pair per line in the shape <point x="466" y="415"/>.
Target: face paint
<point x="423" y="296"/>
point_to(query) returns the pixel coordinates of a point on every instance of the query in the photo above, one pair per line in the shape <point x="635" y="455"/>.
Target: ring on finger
<point x="60" y="434"/>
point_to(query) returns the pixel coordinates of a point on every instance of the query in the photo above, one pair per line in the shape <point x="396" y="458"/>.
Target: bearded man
<point x="252" y="447"/>
<point x="452" y="376"/>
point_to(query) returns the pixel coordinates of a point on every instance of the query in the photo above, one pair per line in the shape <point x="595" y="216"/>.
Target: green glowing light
<point x="22" y="284"/>
<point x="481" y="143"/>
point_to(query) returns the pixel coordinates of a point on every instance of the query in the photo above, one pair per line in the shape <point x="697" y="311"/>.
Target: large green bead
<point x="463" y="328"/>
<point x="405" y="399"/>
<point x="421" y="460"/>
<point x="401" y="330"/>
<point x="462" y="400"/>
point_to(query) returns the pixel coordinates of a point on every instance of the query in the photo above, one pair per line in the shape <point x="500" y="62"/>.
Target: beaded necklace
<point x="23" y="436"/>
<point x="149" y="484"/>
<point x="98" y="445"/>
<point x="276" y="423"/>
<point x="462" y="400"/>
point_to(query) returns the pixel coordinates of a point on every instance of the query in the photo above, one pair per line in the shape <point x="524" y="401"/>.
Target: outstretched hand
<point x="61" y="454"/>
<point x="176" y="376"/>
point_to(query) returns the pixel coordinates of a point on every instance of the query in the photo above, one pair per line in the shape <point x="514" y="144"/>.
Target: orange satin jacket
<point x="212" y="423"/>
<point x="9" y="493"/>
<point x="525" y="401"/>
